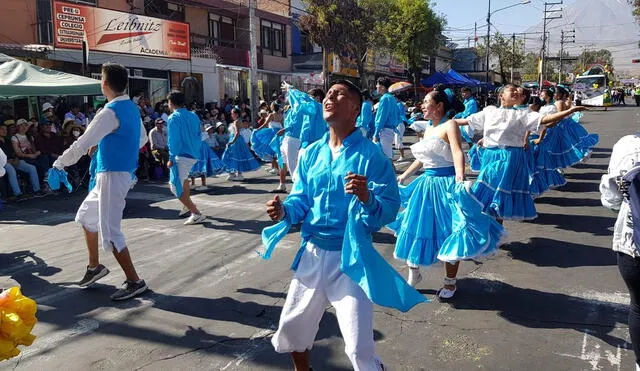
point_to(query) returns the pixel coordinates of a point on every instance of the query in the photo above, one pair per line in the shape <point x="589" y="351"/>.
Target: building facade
<point x="215" y="63"/>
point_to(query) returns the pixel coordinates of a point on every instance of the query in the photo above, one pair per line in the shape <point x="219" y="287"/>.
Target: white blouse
<point x="433" y="152"/>
<point x="505" y="127"/>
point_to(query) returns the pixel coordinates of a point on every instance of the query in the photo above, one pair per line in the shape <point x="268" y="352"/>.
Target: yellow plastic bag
<point x="17" y="318"/>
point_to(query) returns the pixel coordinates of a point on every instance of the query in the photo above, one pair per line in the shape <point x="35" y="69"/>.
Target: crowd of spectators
<point x="31" y="146"/>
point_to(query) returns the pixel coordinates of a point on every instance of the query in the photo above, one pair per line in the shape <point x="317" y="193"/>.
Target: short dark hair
<point x="116" y="77"/>
<point x="384" y="81"/>
<point x="527" y="94"/>
<point x="352" y="88"/>
<point x="466" y="89"/>
<point x="176" y="97"/>
<point x="316" y="93"/>
<point x="75" y="105"/>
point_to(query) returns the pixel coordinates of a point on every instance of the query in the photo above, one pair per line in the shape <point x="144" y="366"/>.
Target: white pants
<point x="289" y="149"/>
<point x="101" y="211"/>
<point x="318" y="282"/>
<point x="386" y="141"/>
<point x="398" y="137"/>
<point x="184" y="164"/>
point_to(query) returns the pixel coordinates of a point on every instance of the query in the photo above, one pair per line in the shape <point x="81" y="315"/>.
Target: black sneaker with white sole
<point x="129" y="289"/>
<point x="93" y="275"/>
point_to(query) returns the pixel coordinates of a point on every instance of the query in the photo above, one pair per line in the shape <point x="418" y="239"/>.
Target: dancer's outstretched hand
<point x="357" y="185"/>
<point x="275" y="209"/>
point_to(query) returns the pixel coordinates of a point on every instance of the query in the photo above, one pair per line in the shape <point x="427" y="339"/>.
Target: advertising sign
<point x="118" y="32"/>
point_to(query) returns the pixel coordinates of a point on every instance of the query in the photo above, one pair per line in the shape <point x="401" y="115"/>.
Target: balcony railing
<point x="224" y="51"/>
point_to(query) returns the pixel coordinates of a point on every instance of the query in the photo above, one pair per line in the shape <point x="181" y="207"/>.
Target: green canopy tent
<point x="22" y="79"/>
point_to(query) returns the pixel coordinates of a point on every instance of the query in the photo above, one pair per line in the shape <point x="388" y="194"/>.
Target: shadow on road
<point x="595" y="225"/>
<point x="544" y="252"/>
<point x="537" y="309"/>
<point x="567" y="201"/>
<point x="246" y="226"/>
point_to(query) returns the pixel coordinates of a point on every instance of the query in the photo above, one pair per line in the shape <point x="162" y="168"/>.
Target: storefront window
<point x="231" y="82"/>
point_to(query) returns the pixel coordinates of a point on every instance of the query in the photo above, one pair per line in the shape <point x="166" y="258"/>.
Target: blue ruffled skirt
<point x="238" y="158"/>
<point x="425" y="223"/>
<point x="503" y="183"/>
<point x="209" y="163"/>
<point x="544" y="176"/>
<point x="474" y="234"/>
<point x="475" y="157"/>
<point x="568" y="143"/>
<point x="261" y="143"/>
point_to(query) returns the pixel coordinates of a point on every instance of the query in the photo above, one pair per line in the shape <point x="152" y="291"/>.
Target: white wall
<point x="210" y="78"/>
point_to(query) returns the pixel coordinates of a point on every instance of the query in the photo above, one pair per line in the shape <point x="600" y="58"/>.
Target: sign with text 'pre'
<point x="118" y="32"/>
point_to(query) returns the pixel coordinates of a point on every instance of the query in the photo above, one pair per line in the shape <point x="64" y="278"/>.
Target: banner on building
<point x="118" y="32"/>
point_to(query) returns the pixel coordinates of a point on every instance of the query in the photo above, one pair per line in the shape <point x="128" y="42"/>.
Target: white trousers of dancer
<point x="101" y="211"/>
<point x="318" y="281"/>
<point x="398" y="137"/>
<point x="386" y="141"/>
<point x="289" y="149"/>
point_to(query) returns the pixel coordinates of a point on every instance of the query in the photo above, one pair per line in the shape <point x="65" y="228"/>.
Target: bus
<point x="592" y="89"/>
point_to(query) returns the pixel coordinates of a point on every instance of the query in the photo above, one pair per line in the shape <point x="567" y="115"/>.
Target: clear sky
<point x="461" y="15"/>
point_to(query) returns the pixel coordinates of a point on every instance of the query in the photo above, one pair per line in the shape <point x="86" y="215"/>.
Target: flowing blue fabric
<point x="237" y="157"/>
<point x="473" y="233"/>
<point x="313" y="125"/>
<point x="209" y="163"/>
<point x="261" y="143"/>
<point x="56" y="177"/>
<point x="174" y="177"/>
<point x="366" y="120"/>
<point x="328" y="214"/>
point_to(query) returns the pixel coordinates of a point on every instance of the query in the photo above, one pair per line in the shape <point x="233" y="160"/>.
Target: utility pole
<point x="513" y="54"/>
<point x="253" y="58"/>
<point x="488" y="46"/>
<point x="565" y="37"/>
<point x="546" y="19"/>
<point x="475" y="34"/>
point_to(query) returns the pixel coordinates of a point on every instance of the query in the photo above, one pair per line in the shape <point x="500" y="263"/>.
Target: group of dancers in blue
<point x="551" y="150"/>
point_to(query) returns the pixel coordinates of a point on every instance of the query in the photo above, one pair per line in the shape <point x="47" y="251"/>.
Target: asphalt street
<point x="551" y="299"/>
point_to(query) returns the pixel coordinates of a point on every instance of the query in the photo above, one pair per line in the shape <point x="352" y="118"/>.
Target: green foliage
<point x="502" y="47"/>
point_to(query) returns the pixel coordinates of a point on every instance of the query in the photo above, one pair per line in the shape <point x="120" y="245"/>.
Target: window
<point x="306" y="46"/>
<point x="222" y="30"/>
<point x="45" y="27"/>
<point x="273" y="38"/>
<point x="164" y="9"/>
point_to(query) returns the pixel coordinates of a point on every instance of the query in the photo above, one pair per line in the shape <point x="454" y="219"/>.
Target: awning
<point x="440" y="78"/>
<point x="22" y="79"/>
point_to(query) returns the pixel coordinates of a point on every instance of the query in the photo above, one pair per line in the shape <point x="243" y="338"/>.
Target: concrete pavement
<point x="551" y="299"/>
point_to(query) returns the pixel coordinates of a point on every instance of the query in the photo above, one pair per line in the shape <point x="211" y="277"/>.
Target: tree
<point x="529" y="69"/>
<point x="636" y="8"/>
<point x="412" y="31"/>
<point x="587" y="57"/>
<point x="344" y="26"/>
<point x="508" y="52"/>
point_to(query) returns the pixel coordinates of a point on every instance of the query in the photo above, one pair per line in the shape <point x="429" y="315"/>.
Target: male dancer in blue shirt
<point x="345" y="190"/>
<point x="118" y="133"/>
<point x="387" y="117"/>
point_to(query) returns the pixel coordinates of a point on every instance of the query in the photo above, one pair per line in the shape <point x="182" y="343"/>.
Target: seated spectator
<point x="222" y="139"/>
<point x="15" y="164"/>
<point x="48" y="143"/>
<point x="12" y="129"/>
<point x="158" y="141"/>
<point x="76" y="115"/>
<point x="165" y="112"/>
<point x="26" y="150"/>
<point x="91" y="113"/>
<point x="70" y="132"/>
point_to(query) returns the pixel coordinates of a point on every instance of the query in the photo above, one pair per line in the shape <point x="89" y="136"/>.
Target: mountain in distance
<point x="599" y="24"/>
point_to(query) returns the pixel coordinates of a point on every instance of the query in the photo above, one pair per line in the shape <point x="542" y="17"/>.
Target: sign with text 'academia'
<point x="118" y="32"/>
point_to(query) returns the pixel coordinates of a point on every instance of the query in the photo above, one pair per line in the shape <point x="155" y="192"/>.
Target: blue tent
<point x="465" y="80"/>
<point x="440" y="78"/>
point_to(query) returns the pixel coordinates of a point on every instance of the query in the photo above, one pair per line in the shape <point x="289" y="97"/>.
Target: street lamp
<point x="489" y="13"/>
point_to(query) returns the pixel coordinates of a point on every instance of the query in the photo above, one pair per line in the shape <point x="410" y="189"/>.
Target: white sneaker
<point x="400" y="159"/>
<point x="183" y="212"/>
<point x="195" y="219"/>
<point x="281" y="188"/>
<point x="273" y="171"/>
<point x="238" y="178"/>
<point x="231" y="176"/>
<point x="414" y="277"/>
